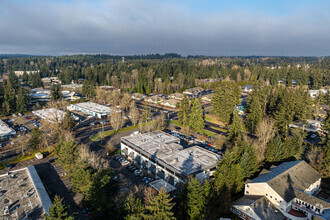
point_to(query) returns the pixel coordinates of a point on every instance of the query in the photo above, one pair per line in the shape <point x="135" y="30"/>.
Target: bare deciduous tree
<point x="134" y="113"/>
<point x="117" y="121"/>
<point x="125" y="101"/>
<point x="265" y="130"/>
<point x="101" y="95"/>
<point x="109" y="148"/>
<point x="219" y="141"/>
<point x="92" y="158"/>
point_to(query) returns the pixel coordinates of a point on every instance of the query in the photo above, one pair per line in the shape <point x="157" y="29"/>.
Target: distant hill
<point x="15" y="55"/>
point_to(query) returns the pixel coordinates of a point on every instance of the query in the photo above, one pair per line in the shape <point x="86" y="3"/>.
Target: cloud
<point x="140" y="27"/>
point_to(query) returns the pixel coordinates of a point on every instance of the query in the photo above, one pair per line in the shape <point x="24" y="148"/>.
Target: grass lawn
<point x="101" y="135"/>
<point x="201" y="131"/>
<point x="219" y="129"/>
<point x="46" y="152"/>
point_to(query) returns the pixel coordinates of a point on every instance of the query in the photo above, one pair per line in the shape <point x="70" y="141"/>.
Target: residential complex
<point x="193" y="91"/>
<point x="6" y="131"/>
<point x="91" y="108"/>
<point x="23" y="195"/>
<point x="284" y="191"/>
<point x="163" y="156"/>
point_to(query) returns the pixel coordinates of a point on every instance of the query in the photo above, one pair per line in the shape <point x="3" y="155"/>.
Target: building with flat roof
<point x="43" y="95"/>
<point x="6" y="131"/>
<point x="50" y="114"/>
<point x="91" y="108"/>
<point x="163" y="156"/>
<point x="289" y="189"/>
<point x="23" y="195"/>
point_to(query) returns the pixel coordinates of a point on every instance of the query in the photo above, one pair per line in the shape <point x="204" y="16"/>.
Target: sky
<point x="187" y="27"/>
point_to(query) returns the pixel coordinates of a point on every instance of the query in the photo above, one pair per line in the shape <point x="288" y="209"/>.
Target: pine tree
<point x="249" y="161"/>
<point x="160" y="207"/>
<point x="229" y="174"/>
<point x="236" y="126"/>
<point x="254" y="113"/>
<point x="275" y="150"/>
<point x="284" y="114"/>
<point x="67" y="122"/>
<point x="326" y="146"/>
<point x="9" y="97"/>
<point x="223" y="101"/>
<point x="66" y="152"/>
<point x="294" y="144"/>
<point x="22" y="101"/>
<point x="35" y="138"/>
<point x="184" y="111"/>
<point x="55" y="93"/>
<point x="133" y="207"/>
<point x="196" y="116"/>
<point x="58" y="211"/>
<point x="196" y="199"/>
<point x="25" y="77"/>
<point x="101" y="194"/>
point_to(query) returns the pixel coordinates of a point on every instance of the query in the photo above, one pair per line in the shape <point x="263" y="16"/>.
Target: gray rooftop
<point x="259" y="205"/>
<point x="288" y="177"/>
<point x="5" y="129"/>
<point x="22" y="192"/>
<point x="50" y="114"/>
<point x="163" y="147"/>
<point x="94" y="107"/>
<point x="160" y="183"/>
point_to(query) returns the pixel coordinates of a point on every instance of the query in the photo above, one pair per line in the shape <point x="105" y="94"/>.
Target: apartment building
<point x="287" y="191"/>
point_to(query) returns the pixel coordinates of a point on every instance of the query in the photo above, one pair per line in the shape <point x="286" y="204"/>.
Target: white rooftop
<point x="160" y="183"/>
<point x="162" y="146"/>
<point x="5" y="129"/>
<point x="50" y="114"/>
<point x="94" y="107"/>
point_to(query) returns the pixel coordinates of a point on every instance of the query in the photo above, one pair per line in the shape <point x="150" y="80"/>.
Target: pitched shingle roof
<point x="259" y="205"/>
<point x="288" y="176"/>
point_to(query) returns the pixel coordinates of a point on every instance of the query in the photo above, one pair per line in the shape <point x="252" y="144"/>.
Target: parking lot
<point x="128" y="172"/>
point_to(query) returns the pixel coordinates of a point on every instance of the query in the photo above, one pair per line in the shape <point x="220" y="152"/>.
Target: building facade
<point x="6" y="131"/>
<point x="91" y="108"/>
<point x="162" y="155"/>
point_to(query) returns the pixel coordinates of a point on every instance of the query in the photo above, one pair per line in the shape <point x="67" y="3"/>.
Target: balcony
<point x="294" y="214"/>
<point x="304" y="208"/>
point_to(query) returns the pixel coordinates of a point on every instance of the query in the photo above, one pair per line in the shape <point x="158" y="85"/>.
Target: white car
<point x="313" y="136"/>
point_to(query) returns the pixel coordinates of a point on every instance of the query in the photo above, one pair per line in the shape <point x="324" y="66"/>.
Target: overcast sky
<point x="194" y="27"/>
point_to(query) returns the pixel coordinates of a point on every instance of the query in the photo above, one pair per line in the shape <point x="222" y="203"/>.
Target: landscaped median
<point x="46" y="152"/>
<point x="101" y="135"/>
<point x="200" y="131"/>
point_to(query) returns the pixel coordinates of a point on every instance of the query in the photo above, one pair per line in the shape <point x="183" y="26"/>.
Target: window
<point x="276" y="199"/>
<point x="247" y="185"/>
<point x="271" y="196"/>
<point x="247" y="192"/>
<point x="244" y="215"/>
<point x="266" y="194"/>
